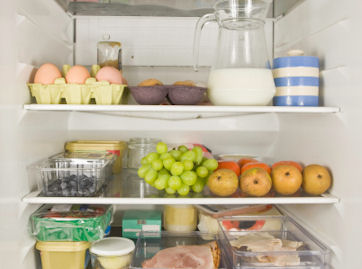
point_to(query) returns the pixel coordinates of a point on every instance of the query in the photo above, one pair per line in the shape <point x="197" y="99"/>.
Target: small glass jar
<point x="112" y="253"/>
<point x="109" y="53"/>
<point x="179" y="218"/>
<point x="139" y="148"/>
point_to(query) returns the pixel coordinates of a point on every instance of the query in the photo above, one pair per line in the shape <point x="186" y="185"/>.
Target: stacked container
<point x="297" y="80"/>
<point x="64" y="233"/>
<point x="117" y="148"/>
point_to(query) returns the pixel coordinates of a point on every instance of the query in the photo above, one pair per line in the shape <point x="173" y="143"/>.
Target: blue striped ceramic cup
<point x="297" y="81"/>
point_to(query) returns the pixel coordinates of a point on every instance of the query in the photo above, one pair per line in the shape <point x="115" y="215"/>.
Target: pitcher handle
<point x="199" y="26"/>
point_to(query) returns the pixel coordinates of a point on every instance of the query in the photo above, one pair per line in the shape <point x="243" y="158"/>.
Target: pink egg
<point x="47" y="74"/>
<point x="77" y="75"/>
<point x="110" y="74"/>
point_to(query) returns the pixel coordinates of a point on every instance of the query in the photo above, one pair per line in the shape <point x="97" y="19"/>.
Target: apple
<point x="316" y="179"/>
<point x="223" y="182"/>
<point x="287" y="179"/>
<point x="255" y="182"/>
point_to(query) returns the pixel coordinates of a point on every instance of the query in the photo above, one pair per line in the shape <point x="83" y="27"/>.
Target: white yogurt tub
<point x="112" y="253"/>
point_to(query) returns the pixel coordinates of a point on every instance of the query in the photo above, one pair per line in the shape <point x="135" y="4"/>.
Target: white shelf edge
<point x="179" y="108"/>
<point x="33" y="198"/>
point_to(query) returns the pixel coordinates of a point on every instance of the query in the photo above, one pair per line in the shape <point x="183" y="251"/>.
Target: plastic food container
<point x="147" y="247"/>
<point x="179" y="218"/>
<point x="72" y="174"/>
<point x="92" y="91"/>
<point x="112" y="253"/>
<point x="117" y="148"/>
<point x="60" y="255"/>
<point x="70" y="222"/>
<point x="248" y="248"/>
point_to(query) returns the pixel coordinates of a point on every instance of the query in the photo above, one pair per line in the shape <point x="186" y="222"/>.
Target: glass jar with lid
<point x="138" y="148"/>
<point x="109" y="53"/>
<point x="179" y="218"/>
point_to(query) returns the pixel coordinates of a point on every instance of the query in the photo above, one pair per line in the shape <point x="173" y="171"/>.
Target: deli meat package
<point x="196" y="257"/>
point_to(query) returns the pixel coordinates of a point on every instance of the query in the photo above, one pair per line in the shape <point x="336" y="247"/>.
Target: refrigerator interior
<point x="40" y="31"/>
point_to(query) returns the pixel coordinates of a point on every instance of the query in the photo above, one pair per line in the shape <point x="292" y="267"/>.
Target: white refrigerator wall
<point x="33" y="32"/>
<point x="331" y="30"/>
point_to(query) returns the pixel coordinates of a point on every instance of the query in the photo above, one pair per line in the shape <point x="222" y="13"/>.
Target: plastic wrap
<point x="70" y="222"/>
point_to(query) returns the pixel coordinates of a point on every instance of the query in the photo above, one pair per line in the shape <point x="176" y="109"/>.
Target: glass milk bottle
<point x="241" y="73"/>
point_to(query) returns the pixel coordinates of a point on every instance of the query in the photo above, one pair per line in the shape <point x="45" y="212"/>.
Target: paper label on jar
<point x="150" y="228"/>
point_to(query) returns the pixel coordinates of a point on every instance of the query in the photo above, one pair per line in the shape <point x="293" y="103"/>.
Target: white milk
<point x="241" y="86"/>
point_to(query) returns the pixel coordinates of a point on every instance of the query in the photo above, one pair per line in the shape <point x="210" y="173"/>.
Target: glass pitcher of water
<point x="241" y="73"/>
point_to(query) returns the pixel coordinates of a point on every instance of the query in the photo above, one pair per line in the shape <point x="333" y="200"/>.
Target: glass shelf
<point x="181" y="112"/>
<point x="128" y="188"/>
<point x="161" y="8"/>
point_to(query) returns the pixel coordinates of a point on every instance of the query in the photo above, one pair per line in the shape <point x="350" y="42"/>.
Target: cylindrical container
<point x="109" y="53"/>
<point x="179" y="218"/>
<point x="297" y="81"/>
<point x="100" y="146"/>
<point x="112" y="253"/>
<point x="60" y="255"/>
<point x="139" y="148"/>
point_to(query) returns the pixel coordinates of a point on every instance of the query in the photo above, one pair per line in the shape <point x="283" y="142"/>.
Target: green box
<point x="135" y="221"/>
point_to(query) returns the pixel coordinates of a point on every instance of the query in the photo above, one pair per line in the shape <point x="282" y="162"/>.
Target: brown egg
<point x="77" y="75"/>
<point x="47" y="74"/>
<point x="110" y="74"/>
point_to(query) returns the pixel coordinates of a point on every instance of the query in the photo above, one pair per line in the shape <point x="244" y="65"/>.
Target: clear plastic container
<point x="246" y="248"/>
<point x="138" y="148"/>
<point x="70" y="222"/>
<point x="117" y="148"/>
<point x="60" y="255"/>
<point x="72" y="174"/>
<point x="112" y="253"/>
<point x="179" y="218"/>
<point x="147" y="247"/>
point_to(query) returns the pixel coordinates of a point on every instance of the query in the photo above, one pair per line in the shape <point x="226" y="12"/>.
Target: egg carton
<point x="92" y="91"/>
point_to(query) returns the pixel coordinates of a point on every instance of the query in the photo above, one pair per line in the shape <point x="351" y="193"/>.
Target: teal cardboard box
<point x="135" y="221"/>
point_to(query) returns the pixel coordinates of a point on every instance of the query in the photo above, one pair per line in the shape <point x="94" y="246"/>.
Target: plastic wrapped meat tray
<point x="70" y="222"/>
<point x="151" y="247"/>
<point x="282" y="243"/>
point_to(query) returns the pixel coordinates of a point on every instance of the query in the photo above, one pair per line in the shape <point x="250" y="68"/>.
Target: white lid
<point x="112" y="246"/>
<point x="295" y="52"/>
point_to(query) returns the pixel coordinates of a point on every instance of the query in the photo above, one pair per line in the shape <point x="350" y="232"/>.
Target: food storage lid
<point x="79" y="156"/>
<point x="62" y="246"/>
<point x="95" y="145"/>
<point x="113" y="246"/>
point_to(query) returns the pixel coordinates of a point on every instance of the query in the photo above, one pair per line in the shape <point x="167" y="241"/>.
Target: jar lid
<point x="112" y="246"/>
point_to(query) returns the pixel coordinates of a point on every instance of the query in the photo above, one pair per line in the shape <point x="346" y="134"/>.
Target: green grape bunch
<point x="178" y="170"/>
